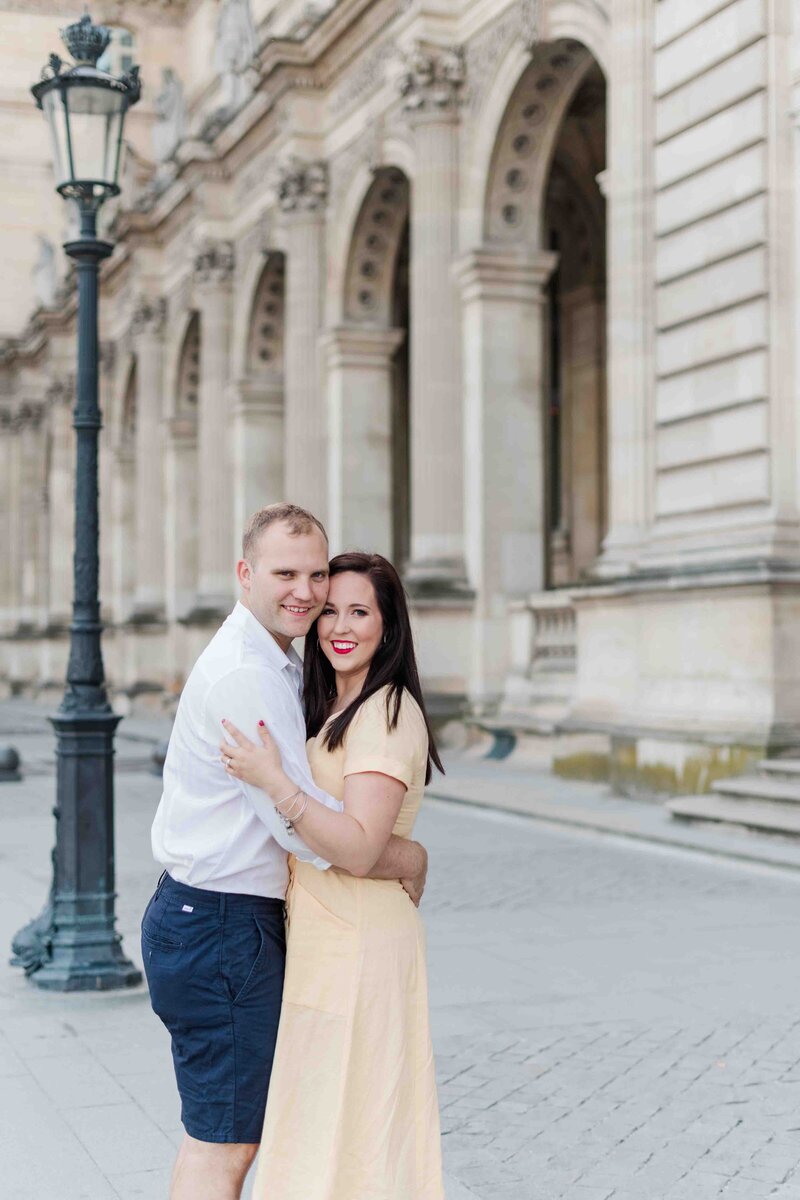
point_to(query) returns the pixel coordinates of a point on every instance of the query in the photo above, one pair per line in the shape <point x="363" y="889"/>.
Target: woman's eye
<point x="359" y="612"/>
<point x="327" y="612"/>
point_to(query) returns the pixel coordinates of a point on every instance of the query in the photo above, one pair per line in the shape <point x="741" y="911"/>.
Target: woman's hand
<point x="259" y="765"/>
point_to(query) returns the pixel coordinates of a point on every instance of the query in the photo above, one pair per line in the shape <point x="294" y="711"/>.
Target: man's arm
<point x="404" y="860"/>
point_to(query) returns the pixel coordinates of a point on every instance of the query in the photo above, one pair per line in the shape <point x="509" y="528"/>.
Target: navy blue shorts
<point x="214" y="963"/>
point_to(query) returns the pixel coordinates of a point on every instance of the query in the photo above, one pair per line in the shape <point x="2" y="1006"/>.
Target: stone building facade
<point x="505" y="290"/>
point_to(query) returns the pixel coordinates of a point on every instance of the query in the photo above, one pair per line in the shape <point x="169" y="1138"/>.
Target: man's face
<point x="286" y="583"/>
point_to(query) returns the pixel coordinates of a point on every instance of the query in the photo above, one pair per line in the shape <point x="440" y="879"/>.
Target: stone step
<point x="767" y="816"/>
<point x="786" y="768"/>
<point x="759" y="787"/>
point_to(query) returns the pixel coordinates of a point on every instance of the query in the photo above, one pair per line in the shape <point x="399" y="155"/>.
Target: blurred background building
<point x="507" y="291"/>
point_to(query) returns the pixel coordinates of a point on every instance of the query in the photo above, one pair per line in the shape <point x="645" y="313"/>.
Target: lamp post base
<point x="98" y="967"/>
<point x="84" y="951"/>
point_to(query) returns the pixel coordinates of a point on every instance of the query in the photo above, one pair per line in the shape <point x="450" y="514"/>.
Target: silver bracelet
<point x="286" y="799"/>
<point x="289" y="821"/>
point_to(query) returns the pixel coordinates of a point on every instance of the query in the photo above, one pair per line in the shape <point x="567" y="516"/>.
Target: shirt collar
<point x="264" y="640"/>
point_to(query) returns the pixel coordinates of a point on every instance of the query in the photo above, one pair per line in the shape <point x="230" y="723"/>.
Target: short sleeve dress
<point x="352" y="1111"/>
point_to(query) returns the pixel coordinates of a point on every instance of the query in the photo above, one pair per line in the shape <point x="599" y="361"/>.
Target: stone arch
<point x="187" y="383"/>
<point x="368" y="375"/>
<point x="266" y="329"/>
<point x="257" y="395"/>
<point x="374" y="248"/>
<point x="181" y="471"/>
<point x="520" y="164"/>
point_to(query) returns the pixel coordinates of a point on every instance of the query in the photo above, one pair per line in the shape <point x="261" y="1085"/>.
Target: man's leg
<point x="211" y="1170"/>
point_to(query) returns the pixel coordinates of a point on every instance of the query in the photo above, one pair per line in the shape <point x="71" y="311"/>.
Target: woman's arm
<point x="354" y="839"/>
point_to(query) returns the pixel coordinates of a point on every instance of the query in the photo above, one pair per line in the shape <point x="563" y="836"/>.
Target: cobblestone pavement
<point x="612" y="1021"/>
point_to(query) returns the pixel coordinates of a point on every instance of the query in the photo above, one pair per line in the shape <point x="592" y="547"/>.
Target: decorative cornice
<point x="149" y="316"/>
<point x="214" y="262"/>
<point x="432" y="80"/>
<point x="303" y="186"/>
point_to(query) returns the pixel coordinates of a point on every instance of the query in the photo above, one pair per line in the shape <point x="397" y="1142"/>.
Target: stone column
<point x="360" y="448"/>
<point x="256" y="408"/>
<point x="62" y="509"/>
<point x="181" y="527"/>
<point x="31" y="530"/>
<point x="504" y="304"/>
<point x="628" y="185"/>
<point x="216" y="545"/>
<point x="303" y="194"/>
<point x="7" y="589"/>
<point x="147" y="331"/>
<point x="430" y="88"/>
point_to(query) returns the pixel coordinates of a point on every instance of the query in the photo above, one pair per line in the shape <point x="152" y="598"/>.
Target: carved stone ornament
<point x="303" y="186"/>
<point x="29" y="415"/>
<point x="528" y="19"/>
<point x="432" y="80"/>
<point x="61" y="391"/>
<point x="214" y="262"/>
<point x="149" y="316"/>
<point x="170" y="127"/>
<point x="107" y="357"/>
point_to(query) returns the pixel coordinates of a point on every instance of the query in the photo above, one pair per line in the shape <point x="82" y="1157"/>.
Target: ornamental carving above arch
<point x="525" y="140"/>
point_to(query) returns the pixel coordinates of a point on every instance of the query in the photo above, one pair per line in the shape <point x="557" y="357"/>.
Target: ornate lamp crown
<point x="85" y="40"/>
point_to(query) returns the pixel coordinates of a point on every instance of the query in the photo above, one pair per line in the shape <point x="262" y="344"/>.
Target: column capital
<point x="432" y="81"/>
<point x="214" y="262"/>
<point x="149" y="316"/>
<point x="303" y="186"/>
<point x="489" y="274"/>
<point x="354" y="346"/>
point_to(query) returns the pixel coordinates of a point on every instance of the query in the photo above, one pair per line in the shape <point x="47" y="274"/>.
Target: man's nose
<point x="302" y="589"/>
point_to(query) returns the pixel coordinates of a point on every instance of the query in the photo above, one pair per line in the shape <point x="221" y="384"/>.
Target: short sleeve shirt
<point x="372" y="745"/>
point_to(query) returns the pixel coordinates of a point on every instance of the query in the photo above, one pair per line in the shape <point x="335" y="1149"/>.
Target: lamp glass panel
<point x="96" y="116"/>
<point x="56" y="114"/>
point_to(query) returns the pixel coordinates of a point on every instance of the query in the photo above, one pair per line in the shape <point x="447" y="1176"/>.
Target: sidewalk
<point x="613" y="1019"/>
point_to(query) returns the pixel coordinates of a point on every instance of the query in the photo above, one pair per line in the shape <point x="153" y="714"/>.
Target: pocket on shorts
<point x="244" y="946"/>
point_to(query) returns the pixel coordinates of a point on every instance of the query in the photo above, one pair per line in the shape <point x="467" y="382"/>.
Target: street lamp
<point x="85" y="110"/>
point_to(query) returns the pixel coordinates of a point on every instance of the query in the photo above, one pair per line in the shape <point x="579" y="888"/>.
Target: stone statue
<point x="234" y="51"/>
<point x="170" y="127"/>
<point x="45" y="273"/>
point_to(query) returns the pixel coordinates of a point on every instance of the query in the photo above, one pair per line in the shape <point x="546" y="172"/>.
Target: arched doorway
<point x="574" y="219"/>
<point x="181" y="484"/>
<point x="368" y="362"/>
<point x="545" y="203"/>
<point x="258" y="407"/>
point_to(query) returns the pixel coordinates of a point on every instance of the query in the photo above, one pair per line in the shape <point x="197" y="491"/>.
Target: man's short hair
<point x="299" y="520"/>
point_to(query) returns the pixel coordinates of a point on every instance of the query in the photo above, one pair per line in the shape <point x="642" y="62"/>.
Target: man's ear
<point x="244" y="574"/>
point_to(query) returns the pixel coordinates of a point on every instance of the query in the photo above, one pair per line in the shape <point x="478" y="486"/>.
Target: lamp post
<point x="85" y="110"/>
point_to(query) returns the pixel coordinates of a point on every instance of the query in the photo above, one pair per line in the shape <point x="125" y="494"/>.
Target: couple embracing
<point x="309" y="1036"/>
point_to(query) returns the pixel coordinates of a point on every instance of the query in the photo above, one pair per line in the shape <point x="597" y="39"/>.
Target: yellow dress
<point x="352" y="1111"/>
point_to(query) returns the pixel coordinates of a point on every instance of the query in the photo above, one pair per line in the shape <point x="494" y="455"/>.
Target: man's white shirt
<point x="212" y="831"/>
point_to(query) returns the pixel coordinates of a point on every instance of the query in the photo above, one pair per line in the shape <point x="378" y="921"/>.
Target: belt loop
<point x="222" y="906"/>
<point x="161" y="880"/>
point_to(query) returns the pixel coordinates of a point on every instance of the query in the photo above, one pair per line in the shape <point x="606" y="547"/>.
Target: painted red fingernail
<point x="261" y="722"/>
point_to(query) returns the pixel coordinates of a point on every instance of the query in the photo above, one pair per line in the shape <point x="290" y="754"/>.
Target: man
<point x="212" y="936"/>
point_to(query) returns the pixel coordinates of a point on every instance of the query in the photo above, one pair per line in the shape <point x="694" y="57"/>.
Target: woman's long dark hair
<point x="394" y="663"/>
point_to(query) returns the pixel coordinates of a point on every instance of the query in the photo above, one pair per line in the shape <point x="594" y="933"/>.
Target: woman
<point x="352" y="1111"/>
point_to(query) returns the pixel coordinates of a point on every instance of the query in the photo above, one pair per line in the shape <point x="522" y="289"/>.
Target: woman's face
<point x="350" y="626"/>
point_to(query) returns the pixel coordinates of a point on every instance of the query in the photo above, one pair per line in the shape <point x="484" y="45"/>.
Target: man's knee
<point x="220" y="1152"/>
